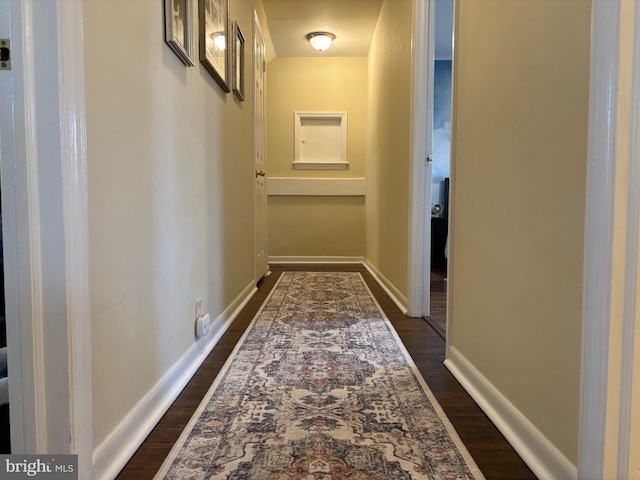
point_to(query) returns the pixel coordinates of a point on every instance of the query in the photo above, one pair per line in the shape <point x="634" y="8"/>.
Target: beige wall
<point x="389" y="142"/>
<point x="315" y="226"/>
<point x="170" y="199"/>
<point x="519" y="160"/>
<point x="319" y="226"/>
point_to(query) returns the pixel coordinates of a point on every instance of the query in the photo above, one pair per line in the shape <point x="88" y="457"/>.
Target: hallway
<point x="492" y="453"/>
<point x="155" y="224"/>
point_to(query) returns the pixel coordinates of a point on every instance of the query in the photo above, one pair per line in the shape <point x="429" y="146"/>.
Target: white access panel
<point x="320" y="140"/>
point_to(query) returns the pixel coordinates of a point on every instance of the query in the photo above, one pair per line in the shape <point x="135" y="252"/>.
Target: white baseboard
<point x="113" y="454"/>
<point x="542" y="457"/>
<point x="398" y="298"/>
<point x="287" y="260"/>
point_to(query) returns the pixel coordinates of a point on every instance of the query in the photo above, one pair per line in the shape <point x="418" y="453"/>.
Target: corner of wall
<point x="120" y="445"/>
<point x="538" y="452"/>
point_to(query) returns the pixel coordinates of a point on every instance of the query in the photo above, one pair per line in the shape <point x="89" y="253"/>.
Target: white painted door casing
<point x="421" y="148"/>
<point x="45" y="210"/>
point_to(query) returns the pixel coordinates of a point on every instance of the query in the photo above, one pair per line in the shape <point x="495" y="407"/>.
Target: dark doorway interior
<point x="5" y="431"/>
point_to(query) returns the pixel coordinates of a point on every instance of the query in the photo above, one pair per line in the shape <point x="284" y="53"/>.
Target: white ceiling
<point x="351" y="21"/>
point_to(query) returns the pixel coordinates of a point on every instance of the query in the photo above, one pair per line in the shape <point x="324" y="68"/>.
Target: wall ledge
<point x="120" y="445"/>
<point x="320" y="165"/>
<point x="311" y="259"/>
<point x="537" y="451"/>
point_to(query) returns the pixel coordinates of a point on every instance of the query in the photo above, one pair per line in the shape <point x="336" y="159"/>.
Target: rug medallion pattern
<point x="319" y="388"/>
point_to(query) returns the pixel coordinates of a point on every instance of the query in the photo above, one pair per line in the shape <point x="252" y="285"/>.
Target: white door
<point x="259" y="140"/>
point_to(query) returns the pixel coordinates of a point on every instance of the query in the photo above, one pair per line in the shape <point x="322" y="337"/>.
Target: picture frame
<point x="178" y="26"/>
<point x="238" y="61"/>
<point x="214" y="39"/>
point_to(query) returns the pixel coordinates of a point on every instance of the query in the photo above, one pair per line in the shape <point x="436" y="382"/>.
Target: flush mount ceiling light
<point x="321" y="40"/>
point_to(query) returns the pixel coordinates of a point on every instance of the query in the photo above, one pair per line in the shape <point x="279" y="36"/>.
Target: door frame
<point x="598" y="261"/>
<point x="47" y="229"/>
<point x="610" y="296"/>
<point x="419" y="265"/>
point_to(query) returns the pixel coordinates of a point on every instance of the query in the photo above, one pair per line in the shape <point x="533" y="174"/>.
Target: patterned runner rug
<point x="319" y="388"/>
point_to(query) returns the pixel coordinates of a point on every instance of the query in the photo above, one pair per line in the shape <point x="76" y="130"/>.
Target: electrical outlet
<point x="198" y="307"/>
<point x="202" y="325"/>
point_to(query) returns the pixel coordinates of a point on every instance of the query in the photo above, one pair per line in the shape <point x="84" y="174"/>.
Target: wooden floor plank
<point x="493" y="454"/>
<point x="438" y="302"/>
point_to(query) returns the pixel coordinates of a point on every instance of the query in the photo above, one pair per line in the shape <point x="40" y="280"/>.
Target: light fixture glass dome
<point x="321" y="40"/>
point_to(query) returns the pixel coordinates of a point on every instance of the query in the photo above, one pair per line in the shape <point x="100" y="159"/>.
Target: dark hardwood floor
<point x="494" y="456"/>
<point x="438" y="296"/>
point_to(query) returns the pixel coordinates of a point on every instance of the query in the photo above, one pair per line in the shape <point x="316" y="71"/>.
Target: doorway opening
<point x="6" y="149"/>
<point x="440" y="172"/>
<point x="5" y="429"/>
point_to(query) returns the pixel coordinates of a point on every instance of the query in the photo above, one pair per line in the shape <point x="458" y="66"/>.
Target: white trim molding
<point x="628" y="455"/>
<point x="113" y="454"/>
<point x="284" y="260"/>
<point x="76" y="225"/>
<point x="598" y="256"/>
<point x="420" y="188"/>
<point x="335" y="187"/>
<point x="47" y="219"/>
<point x="542" y="457"/>
<point x="320" y="165"/>
<point x="21" y="234"/>
<point x="396" y="295"/>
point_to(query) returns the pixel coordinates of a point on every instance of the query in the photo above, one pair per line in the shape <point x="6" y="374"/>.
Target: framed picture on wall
<point x="178" y="29"/>
<point x="214" y="39"/>
<point x="238" y="61"/>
